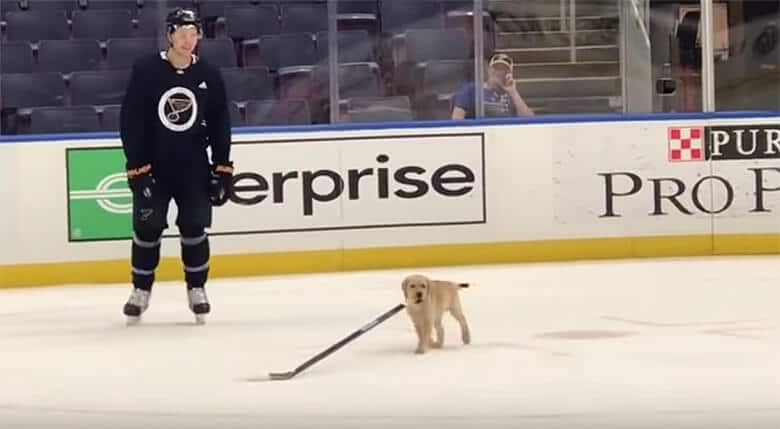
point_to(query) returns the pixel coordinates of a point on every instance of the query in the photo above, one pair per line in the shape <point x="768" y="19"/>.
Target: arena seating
<point x="274" y="53"/>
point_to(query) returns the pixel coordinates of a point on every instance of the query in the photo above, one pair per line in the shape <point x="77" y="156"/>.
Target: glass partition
<point x="400" y="60"/>
<point x="64" y="64"/>
<point x="747" y="56"/>
<point x="600" y="56"/>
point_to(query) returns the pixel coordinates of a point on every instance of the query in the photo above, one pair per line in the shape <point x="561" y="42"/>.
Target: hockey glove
<point x="220" y="183"/>
<point x="141" y="181"/>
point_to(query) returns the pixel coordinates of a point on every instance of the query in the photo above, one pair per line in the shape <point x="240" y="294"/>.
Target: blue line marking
<point x="534" y="120"/>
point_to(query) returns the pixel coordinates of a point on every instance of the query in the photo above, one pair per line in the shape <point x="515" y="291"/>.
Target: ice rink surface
<point x="674" y="343"/>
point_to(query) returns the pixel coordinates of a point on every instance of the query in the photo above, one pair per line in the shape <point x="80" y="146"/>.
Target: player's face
<point x="185" y="39"/>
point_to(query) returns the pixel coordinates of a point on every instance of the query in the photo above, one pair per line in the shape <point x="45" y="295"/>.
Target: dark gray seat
<point x="218" y="52"/>
<point x="98" y="87"/>
<point x="354" y="46"/>
<point x="298" y="18"/>
<point x="102" y="24"/>
<point x="62" y="119"/>
<point x="251" y="22"/>
<point x="23" y="90"/>
<point x="16" y="57"/>
<point x="122" y="53"/>
<point x="67" y="56"/>
<point x="250" y="83"/>
<point x="277" y="112"/>
<point x="37" y="25"/>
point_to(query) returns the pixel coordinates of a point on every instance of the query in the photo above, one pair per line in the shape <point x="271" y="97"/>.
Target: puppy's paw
<point x="466" y="338"/>
<point x="437" y="344"/>
<point x="419" y="351"/>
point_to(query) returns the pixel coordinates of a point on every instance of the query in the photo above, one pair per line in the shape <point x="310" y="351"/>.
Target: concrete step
<point x="521" y="25"/>
<point x="550" y="8"/>
<point x="555" y="39"/>
<point x="558" y="55"/>
<point x="566" y="70"/>
<point x="608" y="86"/>
<point x="569" y="105"/>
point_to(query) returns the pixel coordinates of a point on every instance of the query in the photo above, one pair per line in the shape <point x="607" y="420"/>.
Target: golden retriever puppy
<point x="426" y="302"/>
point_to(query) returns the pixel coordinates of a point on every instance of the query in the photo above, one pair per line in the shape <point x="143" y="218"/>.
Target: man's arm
<point x="521" y="108"/>
<point x="458" y="113"/>
<point x="463" y="100"/>
<point x="132" y="122"/>
<point x="218" y="121"/>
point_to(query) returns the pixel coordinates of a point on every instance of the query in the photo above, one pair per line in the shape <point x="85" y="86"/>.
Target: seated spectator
<point x="500" y="92"/>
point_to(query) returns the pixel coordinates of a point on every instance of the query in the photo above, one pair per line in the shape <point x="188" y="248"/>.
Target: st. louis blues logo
<point x="178" y="109"/>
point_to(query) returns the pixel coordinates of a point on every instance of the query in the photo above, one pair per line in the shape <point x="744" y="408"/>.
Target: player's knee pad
<point x="195" y="255"/>
<point x="145" y="257"/>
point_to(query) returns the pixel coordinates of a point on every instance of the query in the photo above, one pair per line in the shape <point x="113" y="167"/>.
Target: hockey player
<point x="175" y="108"/>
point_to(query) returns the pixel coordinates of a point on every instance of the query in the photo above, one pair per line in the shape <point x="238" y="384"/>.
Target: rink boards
<point x="330" y="199"/>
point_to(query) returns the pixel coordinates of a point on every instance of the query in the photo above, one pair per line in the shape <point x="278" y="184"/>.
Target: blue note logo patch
<point x="178" y="109"/>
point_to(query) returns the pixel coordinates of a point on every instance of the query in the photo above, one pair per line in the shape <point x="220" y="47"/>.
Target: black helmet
<point x="182" y="17"/>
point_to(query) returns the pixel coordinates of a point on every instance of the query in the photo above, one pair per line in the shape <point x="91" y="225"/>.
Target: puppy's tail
<point x="463" y="285"/>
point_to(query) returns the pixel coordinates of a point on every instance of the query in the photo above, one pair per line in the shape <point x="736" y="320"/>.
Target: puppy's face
<point x="416" y="289"/>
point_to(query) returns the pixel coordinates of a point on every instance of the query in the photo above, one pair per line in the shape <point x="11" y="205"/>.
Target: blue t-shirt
<point x="498" y="103"/>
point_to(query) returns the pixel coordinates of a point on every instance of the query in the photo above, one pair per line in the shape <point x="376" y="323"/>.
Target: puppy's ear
<point x="427" y="283"/>
<point x="403" y="287"/>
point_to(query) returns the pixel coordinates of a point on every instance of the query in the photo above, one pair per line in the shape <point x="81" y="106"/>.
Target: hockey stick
<point x="346" y="340"/>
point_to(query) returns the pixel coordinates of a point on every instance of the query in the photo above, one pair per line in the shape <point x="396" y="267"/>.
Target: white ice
<point x="682" y="343"/>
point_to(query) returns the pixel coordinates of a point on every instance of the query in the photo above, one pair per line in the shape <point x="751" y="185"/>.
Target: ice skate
<point x="199" y="304"/>
<point x="136" y="305"/>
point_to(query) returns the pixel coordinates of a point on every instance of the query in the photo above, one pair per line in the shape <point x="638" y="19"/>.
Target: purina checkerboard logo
<point x="721" y="143"/>
<point x="686" y="144"/>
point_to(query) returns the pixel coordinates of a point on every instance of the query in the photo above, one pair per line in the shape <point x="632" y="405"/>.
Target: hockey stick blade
<point x="344" y="341"/>
<point x="282" y="375"/>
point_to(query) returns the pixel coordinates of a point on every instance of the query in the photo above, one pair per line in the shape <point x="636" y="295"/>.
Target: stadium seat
<point x="122" y="53"/>
<point x="464" y="19"/>
<point x="427" y="45"/>
<point x="236" y="120"/>
<point x="102" y="24"/>
<point x="24" y="90"/>
<point x="47" y="5"/>
<point x="462" y="5"/>
<point x="250" y="83"/>
<point x="131" y="5"/>
<point x="67" y="56"/>
<point x="379" y="114"/>
<point x="63" y="120"/>
<point x="297" y="18"/>
<point x="393" y="102"/>
<point x="151" y="22"/>
<point x="359" y="6"/>
<point x="251" y="22"/>
<point x="8" y="6"/>
<point x="286" y="50"/>
<point x="355" y="80"/>
<point x="359" y="80"/>
<point x="444" y="77"/>
<point x="216" y="8"/>
<point x="397" y="16"/>
<point x="358" y="15"/>
<point x="167" y="4"/>
<point x="110" y="117"/>
<point x="218" y="52"/>
<point x="277" y="112"/>
<point x="37" y="25"/>
<point x="16" y="57"/>
<point x="354" y="46"/>
<point x="98" y="87"/>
